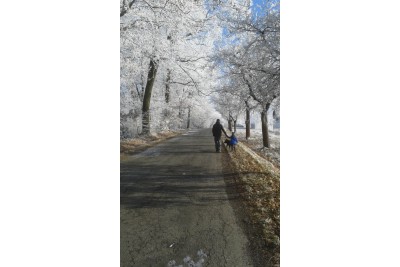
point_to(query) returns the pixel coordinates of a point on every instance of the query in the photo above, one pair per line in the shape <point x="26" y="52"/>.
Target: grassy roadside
<point x="139" y="144"/>
<point x="258" y="183"/>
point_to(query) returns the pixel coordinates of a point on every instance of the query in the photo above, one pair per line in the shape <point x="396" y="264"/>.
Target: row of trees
<point x="165" y="68"/>
<point x="248" y="56"/>
<point x="178" y="55"/>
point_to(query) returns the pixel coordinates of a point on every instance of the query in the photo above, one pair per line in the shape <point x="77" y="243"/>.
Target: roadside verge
<point x="258" y="183"/>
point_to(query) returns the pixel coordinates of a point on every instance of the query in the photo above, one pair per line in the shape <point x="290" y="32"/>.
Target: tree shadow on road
<point x="165" y="186"/>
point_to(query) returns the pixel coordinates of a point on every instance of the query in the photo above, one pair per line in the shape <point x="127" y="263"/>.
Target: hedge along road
<point x="174" y="202"/>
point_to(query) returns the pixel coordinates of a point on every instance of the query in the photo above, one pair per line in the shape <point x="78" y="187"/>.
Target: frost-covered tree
<point x="164" y="45"/>
<point x="250" y="52"/>
<point x="167" y="73"/>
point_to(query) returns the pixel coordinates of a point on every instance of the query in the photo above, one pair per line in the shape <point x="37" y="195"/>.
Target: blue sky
<point x="257" y="7"/>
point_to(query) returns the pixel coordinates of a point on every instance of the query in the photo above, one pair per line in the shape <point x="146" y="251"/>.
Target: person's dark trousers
<point x="217" y="140"/>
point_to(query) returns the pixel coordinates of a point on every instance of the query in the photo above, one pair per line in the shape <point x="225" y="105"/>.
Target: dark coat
<point x="218" y="129"/>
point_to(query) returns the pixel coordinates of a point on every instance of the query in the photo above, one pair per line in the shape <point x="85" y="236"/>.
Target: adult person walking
<point x="217" y="132"/>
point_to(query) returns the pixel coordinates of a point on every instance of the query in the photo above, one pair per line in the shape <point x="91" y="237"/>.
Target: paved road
<point x="174" y="202"/>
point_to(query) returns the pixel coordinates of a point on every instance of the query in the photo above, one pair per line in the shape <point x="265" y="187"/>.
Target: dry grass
<point x="259" y="186"/>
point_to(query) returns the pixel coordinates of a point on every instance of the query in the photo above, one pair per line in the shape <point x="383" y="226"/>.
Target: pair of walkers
<point x="217" y="133"/>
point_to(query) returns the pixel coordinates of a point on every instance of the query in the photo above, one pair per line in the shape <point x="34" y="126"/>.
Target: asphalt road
<point x="174" y="202"/>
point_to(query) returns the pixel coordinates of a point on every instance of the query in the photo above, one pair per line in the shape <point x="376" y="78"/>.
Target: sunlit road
<point x="174" y="202"/>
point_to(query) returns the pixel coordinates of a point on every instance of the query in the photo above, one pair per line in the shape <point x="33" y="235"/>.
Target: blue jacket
<point x="234" y="140"/>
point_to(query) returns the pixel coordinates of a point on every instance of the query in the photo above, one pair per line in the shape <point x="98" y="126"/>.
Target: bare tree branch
<point x="125" y="7"/>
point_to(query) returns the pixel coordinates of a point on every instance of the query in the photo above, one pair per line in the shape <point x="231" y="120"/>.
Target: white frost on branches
<point x="179" y="36"/>
<point x="208" y="55"/>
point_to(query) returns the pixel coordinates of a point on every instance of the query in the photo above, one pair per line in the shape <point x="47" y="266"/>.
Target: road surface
<point x="174" y="202"/>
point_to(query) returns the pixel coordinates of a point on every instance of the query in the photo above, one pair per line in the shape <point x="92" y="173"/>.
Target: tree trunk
<point x="147" y="97"/>
<point x="247" y="123"/>
<point x="234" y="125"/>
<point x="188" y="120"/>
<point x="229" y="122"/>
<point x="264" y="125"/>
<point x="167" y="89"/>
